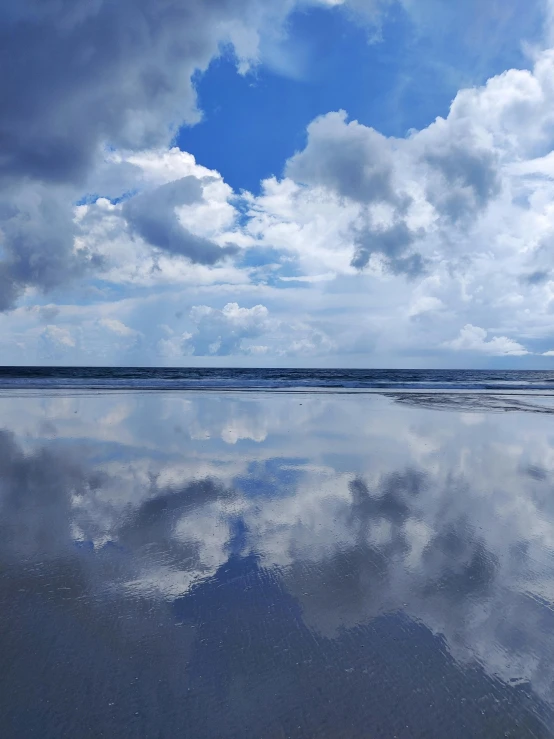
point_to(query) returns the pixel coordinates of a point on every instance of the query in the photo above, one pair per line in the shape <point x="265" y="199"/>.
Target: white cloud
<point x="227" y="331"/>
<point x="178" y="228"/>
<point x="474" y="339"/>
<point x="58" y="336"/>
<point x="461" y="200"/>
<point x="425" y="304"/>
<point x="463" y="209"/>
<point x="118" y="327"/>
<point x="101" y="76"/>
<point x="175" y="347"/>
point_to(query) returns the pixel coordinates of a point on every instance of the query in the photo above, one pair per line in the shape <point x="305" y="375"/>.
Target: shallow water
<point x="275" y="565"/>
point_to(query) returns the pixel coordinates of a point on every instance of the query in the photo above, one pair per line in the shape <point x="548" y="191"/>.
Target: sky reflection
<point x="200" y="564"/>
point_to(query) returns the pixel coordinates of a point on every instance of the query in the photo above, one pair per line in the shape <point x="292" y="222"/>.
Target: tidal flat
<point x="270" y="565"/>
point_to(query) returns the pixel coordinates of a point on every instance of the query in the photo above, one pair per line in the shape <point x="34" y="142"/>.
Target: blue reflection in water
<point x="246" y="566"/>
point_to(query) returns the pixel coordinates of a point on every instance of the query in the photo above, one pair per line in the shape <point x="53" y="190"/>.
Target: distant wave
<point x="339" y="380"/>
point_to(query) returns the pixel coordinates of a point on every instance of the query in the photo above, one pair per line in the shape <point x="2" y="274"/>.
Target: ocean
<point x="147" y="378"/>
<point x="276" y="553"/>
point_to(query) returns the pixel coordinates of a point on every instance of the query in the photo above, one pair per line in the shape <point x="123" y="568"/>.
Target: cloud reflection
<point x="349" y="521"/>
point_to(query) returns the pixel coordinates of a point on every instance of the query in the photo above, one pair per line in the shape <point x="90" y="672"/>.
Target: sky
<point x="326" y="183"/>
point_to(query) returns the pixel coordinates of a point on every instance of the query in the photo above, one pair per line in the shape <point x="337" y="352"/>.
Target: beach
<point x="223" y="563"/>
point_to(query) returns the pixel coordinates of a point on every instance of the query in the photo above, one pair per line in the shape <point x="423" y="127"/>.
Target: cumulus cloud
<point x="37" y="241"/>
<point x="58" y="335"/>
<point x="84" y="73"/>
<point x="435" y="182"/>
<point x="117" y="327"/>
<point x="404" y="189"/>
<point x="314" y="342"/>
<point x="425" y="304"/>
<point x="153" y="216"/>
<point x="240" y="331"/>
<point x="225" y="331"/>
<point x="55" y="343"/>
<point x="448" y="172"/>
<point x="351" y="159"/>
<point x="83" y="76"/>
<point x="474" y="339"/>
<point x="462" y="206"/>
<point x="462" y="166"/>
<point x="392" y="242"/>
<point x="180" y="226"/>
<point x="175" y="347"/>
<point x="358" y="163"/>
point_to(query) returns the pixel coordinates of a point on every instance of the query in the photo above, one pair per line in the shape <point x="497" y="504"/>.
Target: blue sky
<point x="400" y="79"/>
<point x="285" y="183"/>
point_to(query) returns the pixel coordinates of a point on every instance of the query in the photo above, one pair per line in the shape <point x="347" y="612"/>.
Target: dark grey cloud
<point x="357" y="162"/>
<point x="464" y="175"/>
<point x="9" y="290"/>
<point x="537" y="269"/>
<point x="412" y="266"/>
<point x="78" y="75"/>
<point x="153" y="217"/>
<point x="393" y="244"/>
<point x="352" y="160"/>
<point x="37" y="238"/>
<point x="477" y="170"/>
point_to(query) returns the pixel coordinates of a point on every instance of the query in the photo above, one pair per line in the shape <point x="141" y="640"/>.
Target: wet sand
<point x="256" y="564"/>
